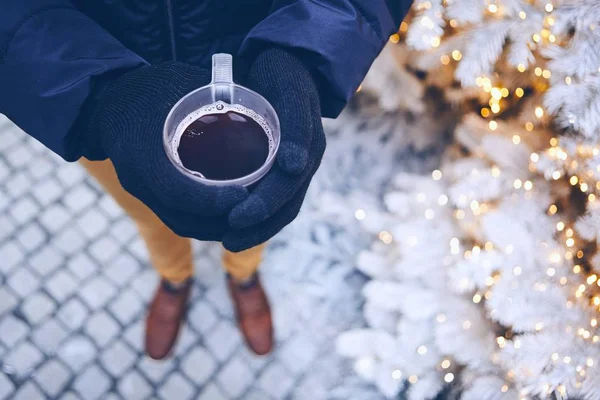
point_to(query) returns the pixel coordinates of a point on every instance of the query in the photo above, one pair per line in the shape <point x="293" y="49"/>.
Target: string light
<point x="519" y="92"/>
<point x="539" y="112"/>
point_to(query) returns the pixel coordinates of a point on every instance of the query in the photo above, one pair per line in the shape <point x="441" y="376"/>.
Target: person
<point x="94" y="81"/>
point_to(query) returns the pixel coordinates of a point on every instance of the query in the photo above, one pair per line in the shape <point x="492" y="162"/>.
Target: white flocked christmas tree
<point x="484" y="274"/>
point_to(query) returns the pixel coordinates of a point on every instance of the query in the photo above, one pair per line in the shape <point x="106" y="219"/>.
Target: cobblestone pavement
<point x="75" y="281"/>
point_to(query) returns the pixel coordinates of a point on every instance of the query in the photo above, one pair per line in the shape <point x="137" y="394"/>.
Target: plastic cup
<point x="220" y="96"/>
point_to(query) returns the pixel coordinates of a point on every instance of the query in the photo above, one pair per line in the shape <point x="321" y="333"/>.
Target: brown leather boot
<point x="253" y="314"/>
<point x="164" y="318"/>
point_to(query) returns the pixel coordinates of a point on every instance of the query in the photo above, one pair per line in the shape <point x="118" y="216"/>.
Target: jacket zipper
<point x="169" y="5"/>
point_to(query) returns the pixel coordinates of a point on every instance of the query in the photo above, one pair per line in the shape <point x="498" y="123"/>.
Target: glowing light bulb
<point x="539" y="112"/>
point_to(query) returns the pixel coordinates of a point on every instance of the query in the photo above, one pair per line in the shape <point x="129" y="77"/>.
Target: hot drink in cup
<point x="223" y="133"/>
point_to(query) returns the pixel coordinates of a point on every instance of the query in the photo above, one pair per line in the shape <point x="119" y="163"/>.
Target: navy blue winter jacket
<point x="53" y="51"/>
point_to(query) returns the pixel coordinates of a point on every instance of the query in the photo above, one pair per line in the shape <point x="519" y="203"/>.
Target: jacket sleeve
<point x="338" y="40"/>
<point x="50" y="56"/>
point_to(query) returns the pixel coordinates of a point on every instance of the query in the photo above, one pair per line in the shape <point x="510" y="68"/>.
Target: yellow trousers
<point x="171" y="255"/>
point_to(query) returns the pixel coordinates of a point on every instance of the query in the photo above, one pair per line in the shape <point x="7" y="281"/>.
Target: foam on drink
<point x="222" y="141"/>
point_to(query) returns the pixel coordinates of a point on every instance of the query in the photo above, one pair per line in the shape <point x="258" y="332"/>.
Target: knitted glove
<point x="124" y="122"/>
<point x="275" y="202"/>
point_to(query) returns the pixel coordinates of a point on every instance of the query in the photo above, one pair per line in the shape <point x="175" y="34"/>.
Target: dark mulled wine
<point x="223" y="146"/>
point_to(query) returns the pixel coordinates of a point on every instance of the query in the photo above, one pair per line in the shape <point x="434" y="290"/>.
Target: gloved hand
<point x="124" y="122"/>
<point x="275" y="202"/>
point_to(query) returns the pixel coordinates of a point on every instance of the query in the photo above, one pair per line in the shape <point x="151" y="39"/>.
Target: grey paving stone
<point x="223" y="340"/>
<point x="118" y="358"/>
<point x="47" y="191"/>
<point x="6" y="387"/>
<point x="275" y="380"/>
<point x="52" y="377"/>
<point x="97" y="291"/>
<point x="123" y="269"/>
<point x="10" y="136"/>
<point x="4" y="200"/>
<point x="70" y="396"/>
<point x="4" y="170"/>
<point x="82" y="266"/>
<point x="134" y="334"/>
<point x="31" y="236"/>
<point x="69" y="241"/>
<point x="297" y="353"/>
<point x="102" y="328"/>
<point x="92" y="223"/>
<point x="110" y="207"/>
<point x="104" y="249"/>
<point x="40" y="168"/>
<point x="28" y="392"/>
<point x="7" y="300"/>
<point x="133" y="386"/>
<point x="61" y="285"/>
<point x="80" y="197"/>
<point x="34" y="146"/>
<point x="257" y="394"/>
<point x="18" y="156"/>
<point x="37" y="307"/>
<point x="208" y="270"/>
<point x="12" y="330"/>
<point x="72" y="313"/>
<point x="11" y="255"/>
<point x="49" y="336"/>
<point x="187" y="339"/>
<point x="23" y="282"/>
<point x="126" y="306"/>
<point x="199" y="365"/>
<point x="123" y="230"/>
<point x="235" y="377"/>
<point x="145" y="284"/>
<point x="202" y="317"/>
<point x="70" y="174"/>
<point x="92" y="383"/>
<point x="54" y="218"/>
<point x="18" y="184"/>
<point x="176" y="387"/>
<point x="219" y="298"/>
<point x="154" y="371"/>
<point x="23" y="210"/>
<point x="76" y="352"/>
<point x="310" y="388"/>
<point x="212" y="392"/>
<point x="138" y="249"/>
<point x="46" y="260"/>
<point x="257" y="363"/>
<point x="23" y="358"/>
<point x="8" y="227"/>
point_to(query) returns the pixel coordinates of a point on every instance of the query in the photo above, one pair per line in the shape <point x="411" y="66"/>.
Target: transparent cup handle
<point x="222" y="78"/>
